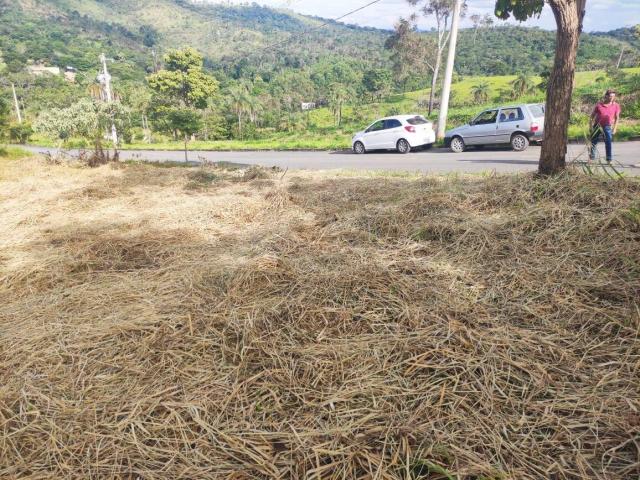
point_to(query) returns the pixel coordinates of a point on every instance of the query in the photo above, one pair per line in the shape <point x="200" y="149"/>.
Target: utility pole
<point x="105" y="80"/>
<point x="620" y="58"/>
<point x="15" y="101"/>
<point x="446" y="90"/>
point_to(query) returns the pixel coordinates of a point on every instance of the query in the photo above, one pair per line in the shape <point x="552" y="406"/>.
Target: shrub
<point x="20" y="132"/>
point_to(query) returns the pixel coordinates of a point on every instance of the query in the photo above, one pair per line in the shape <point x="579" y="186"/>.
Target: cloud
<point x="602" y="15"/>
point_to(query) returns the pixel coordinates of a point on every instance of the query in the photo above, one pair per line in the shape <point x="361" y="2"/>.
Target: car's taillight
<point x="535" y="127"/>
<point x="410" y="128"/>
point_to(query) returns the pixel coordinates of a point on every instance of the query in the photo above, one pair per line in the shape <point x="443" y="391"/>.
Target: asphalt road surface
<point x="437" y="160"/>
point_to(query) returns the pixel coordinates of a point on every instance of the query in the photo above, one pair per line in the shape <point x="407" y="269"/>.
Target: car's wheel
<point x="519" y="142"/>
<point x="457" y="145"/>
<point x="403" y="146"/>
<point x="358" y="148"/>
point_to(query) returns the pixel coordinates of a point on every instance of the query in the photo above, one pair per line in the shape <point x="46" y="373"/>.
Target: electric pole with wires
<point x="104" y="79"/>
<point x="16" y="103"/>
<point x="448" y="75"/>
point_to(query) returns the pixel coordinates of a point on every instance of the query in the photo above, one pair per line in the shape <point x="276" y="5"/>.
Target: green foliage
<point x="376" y="82"/>
<point x="507" y="50"/>
<point x="3" y="65"/>
<point x="481" y="92"/>
<point x="150" y="35"/>
<point x="86" y="118"/>
<point x="183" y="81"/>
<point x="5" y="111"/>
<point x="522" y="85"/>
<point x="520" y="9"/>
<point x="185" y="121"/>
<point x="12" y="153"/>
<point x="20" y="132"/>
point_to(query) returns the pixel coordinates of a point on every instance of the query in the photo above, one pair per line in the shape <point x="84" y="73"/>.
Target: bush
<point x="631" y="109"/>
<point x="20" y="132"/>
<point x="393" y="111"/>
<point x="579" y="118"/>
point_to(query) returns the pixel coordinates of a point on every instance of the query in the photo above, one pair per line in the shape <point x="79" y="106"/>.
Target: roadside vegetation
<point x="317" y="129"/>
<point x="257" y="324"/>
<point x="12" y="153"/>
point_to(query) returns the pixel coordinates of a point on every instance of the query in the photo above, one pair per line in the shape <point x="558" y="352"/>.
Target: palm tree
<point x="254" y="109"/>
<point x="522" y="85"/>
<point x="239" y="100"/>
<point x="338" y="95"/>
<point x="480" y="92"/>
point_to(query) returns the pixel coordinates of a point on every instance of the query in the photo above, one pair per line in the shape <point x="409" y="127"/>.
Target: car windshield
<point x="418" y="120"/>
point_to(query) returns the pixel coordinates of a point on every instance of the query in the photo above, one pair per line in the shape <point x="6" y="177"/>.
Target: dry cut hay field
<point x="173" y="323"/>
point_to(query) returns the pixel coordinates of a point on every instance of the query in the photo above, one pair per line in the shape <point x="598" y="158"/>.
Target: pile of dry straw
<point x="204" y="324"/>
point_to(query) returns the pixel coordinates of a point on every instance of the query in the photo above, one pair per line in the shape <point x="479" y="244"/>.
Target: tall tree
<point x="403" y="54"/>
<point x="376" y="82"/>
<point x="442" y="11"/>
<point x="476" y="20"/>
<point x="338" y="95"/>
<point x="180" y="90"/>
<point x="569" y="15"/>
<point x="412" y="53"/>
<point x="240" y="103"/>
<point x="183" y="80"/>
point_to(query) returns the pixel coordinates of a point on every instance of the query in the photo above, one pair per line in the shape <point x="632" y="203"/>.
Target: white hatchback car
<point x="402" y="133"/>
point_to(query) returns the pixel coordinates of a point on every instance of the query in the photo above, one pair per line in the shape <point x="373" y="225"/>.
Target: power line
<point x="318" y="27"/>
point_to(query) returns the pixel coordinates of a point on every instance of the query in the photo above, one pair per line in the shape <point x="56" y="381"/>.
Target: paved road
<point x="435" y="160"/>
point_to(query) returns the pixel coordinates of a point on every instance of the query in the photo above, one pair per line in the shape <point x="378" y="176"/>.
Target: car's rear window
<point x="537" y="111"/>
<point x="417" y="120"/>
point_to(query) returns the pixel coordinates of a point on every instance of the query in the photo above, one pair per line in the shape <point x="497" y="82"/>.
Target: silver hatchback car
<point x="517" y="125"/>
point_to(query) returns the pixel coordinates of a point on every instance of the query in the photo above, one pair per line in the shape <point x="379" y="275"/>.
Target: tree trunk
<point x="434" y="81"/>
<point x="568" y="14"/>
<point x="186" y="155"/>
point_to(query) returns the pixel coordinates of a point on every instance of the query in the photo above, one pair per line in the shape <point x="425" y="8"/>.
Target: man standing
<point x="604" y="120"/>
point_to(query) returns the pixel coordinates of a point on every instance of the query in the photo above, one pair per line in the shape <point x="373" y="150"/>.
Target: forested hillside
<point x="247" y="40"/>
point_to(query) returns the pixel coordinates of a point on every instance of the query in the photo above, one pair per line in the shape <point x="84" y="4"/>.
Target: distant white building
<point x="39" y="70"/>
<point x="308" y="106"/>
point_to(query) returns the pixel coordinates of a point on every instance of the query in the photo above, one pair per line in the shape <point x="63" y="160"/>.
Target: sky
<point x="602" y="15"/>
